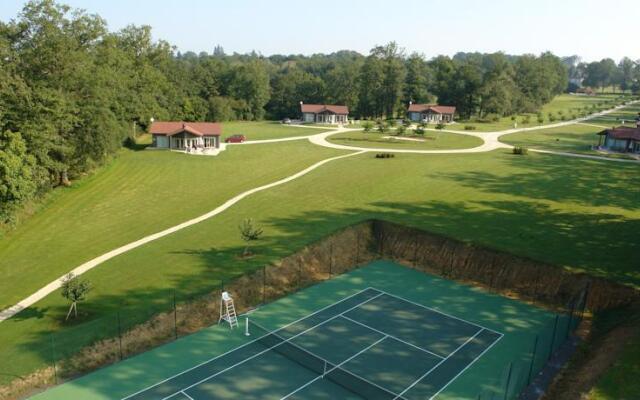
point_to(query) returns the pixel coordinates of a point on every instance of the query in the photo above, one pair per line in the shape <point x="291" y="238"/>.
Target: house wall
<point x="615" y="144"/>
<point x="161" y="141"/>
<point x="414" y="116"/>
<point x="308" y="117"/>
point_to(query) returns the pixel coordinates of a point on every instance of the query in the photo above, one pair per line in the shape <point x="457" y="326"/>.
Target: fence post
<point x="533" y="359"/>
<point x="358" y="248"/>
<point x="175" y="316"/>
<point x="330" y="259"/>
<point x="53" y="359"/>
<point x="506" y="388"/>
<point x="119" y="333"/>
<point x="553" y="336"/>
<point x="264" y="284"/>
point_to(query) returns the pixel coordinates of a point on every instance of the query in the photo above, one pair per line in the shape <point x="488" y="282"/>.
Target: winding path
<point x="491" y="141"/>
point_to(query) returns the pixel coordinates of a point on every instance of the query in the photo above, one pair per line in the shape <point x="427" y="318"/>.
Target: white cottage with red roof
<point x="185" y="135"/>
<point x="431" y="113"/>
<point x="324" y="113"/>
<point x="622" y="139"/>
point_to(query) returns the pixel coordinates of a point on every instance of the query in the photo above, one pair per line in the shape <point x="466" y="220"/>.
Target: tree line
<point x="72" y="92"/>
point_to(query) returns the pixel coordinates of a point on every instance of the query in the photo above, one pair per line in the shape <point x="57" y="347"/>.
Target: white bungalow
<point x="324" y="113"/>
<point x="185" y="135"/>
<point x="430" y="113"/>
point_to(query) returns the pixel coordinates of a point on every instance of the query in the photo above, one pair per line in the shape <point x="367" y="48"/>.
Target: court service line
<point x="272" y="347"/>
<point x="246" y="344"/>
<point x="392" y="337"/>
<point x="440" y="363"/>
<point x="440" y="312"/>
<point x="338" y="366"/>
<point x="465" y="368"/>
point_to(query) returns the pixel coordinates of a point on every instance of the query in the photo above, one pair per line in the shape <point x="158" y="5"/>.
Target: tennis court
<point x="371" y="345"/>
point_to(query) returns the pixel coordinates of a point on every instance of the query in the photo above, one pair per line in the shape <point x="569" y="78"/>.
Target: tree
<point x="417" y="81"/>
<point x="75" y="290"/>
<point x="16" y="174"/>
<point x="249" y="233"/>
<point x="250" y="82"/>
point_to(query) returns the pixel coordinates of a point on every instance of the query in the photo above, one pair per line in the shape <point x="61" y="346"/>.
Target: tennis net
<point x="348" y="380"/>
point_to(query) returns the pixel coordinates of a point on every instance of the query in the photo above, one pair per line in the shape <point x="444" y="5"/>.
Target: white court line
<point x="338" y="366"/>
<point x="187" y="395"/>
<point x="248" y="343"/>
<point x="391" y="336"/>
<point x="438" y="364"/>
<point x="439" y="312"/>
<point x="272" y="347"/>
<point x="465" y="368"/>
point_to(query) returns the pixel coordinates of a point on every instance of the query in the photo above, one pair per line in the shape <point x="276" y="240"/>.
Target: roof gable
<point x="422" y="108"/>
<point x="319" y="108"/>
<point x="169" y="128"/>
<point x="622" y="132"/>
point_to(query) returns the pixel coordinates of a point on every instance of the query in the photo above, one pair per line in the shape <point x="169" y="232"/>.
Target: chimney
<point x="301" y="103"/>
<point x="410" y="102"/>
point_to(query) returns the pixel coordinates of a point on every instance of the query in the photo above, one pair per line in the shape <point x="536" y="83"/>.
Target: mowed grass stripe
<point x="139" y="194"/>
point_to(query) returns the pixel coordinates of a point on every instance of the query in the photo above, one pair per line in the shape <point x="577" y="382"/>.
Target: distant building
<point x="185" y="135"/>
<point x="324" y="113"/>
<point x="623" y="139"/>
<point x="430" y="113"/>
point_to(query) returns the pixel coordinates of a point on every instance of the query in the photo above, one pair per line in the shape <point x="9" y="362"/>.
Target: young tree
<point x="75" y="290"/>
<point x="249" y="233"/>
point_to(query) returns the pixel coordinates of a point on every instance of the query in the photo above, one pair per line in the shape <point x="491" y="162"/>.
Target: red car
<point x="235" y="139"/>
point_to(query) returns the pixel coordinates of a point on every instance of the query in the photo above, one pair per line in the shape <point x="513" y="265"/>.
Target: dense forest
<point x="72" y="92"/>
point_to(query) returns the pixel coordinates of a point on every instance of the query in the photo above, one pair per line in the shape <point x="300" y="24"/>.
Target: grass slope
<point x="138" y="194"/>
<point x="565" y="103"/>
<point x="261" y="130"/>
<point x="564" y="211"/>
<point x="432" y="141"/>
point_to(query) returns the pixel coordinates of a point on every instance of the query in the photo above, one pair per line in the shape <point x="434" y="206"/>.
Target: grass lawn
<point x="576" y="138"/>
<point x="431" y="141"/>
<point x="555" y="209"/>
<point x="620" y="382"/>
<point x="565" y="103"/>
<point x="139" y="193"/>
<point x="260" y="130"/>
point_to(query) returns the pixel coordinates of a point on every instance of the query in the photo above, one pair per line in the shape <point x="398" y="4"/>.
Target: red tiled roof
<point x="319" y="108"/>
<point x="623" y="133"/>
<point x="433" y="107"/>
<point x="169" y="128"/>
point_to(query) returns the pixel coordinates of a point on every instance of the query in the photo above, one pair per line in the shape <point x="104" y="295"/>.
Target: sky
<point x="592" y="29"/>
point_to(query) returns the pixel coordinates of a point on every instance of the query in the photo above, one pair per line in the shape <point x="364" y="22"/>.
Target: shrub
<point x="391" y="122"/>
<point x="574" y="116"/>
<point x="385" y="155"/>
<point x="563" y="118"/>
<point x="400" y="130"/>
<point x="440" y="126"/>
<point x="406" y="123"/>
<point x="540" y="119"/>
<point x="552" y="117"/>
<point x="382" y="127"/>
<point x="419" y="131"/>
<point x="526" y="120"/>
<point x="521" y="151"/>
<point x="469" y="127"/>
<point x="367" y="125"/>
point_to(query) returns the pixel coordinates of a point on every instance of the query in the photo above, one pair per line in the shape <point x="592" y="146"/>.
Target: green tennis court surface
<point x="379" y="332"/>
<point x="373" y="344"/>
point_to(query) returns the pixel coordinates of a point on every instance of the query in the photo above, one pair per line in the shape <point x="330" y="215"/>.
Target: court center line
<point x="392" y="337"/>
<point x="438" y="364"/>
<point x="439" y="312"/>
<point x="248" y="343"/>
<point x="272" y="347"/>
<point x="338" y="366"/>
<point x="465" y="368"/>
<point x="183" y="392"/>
